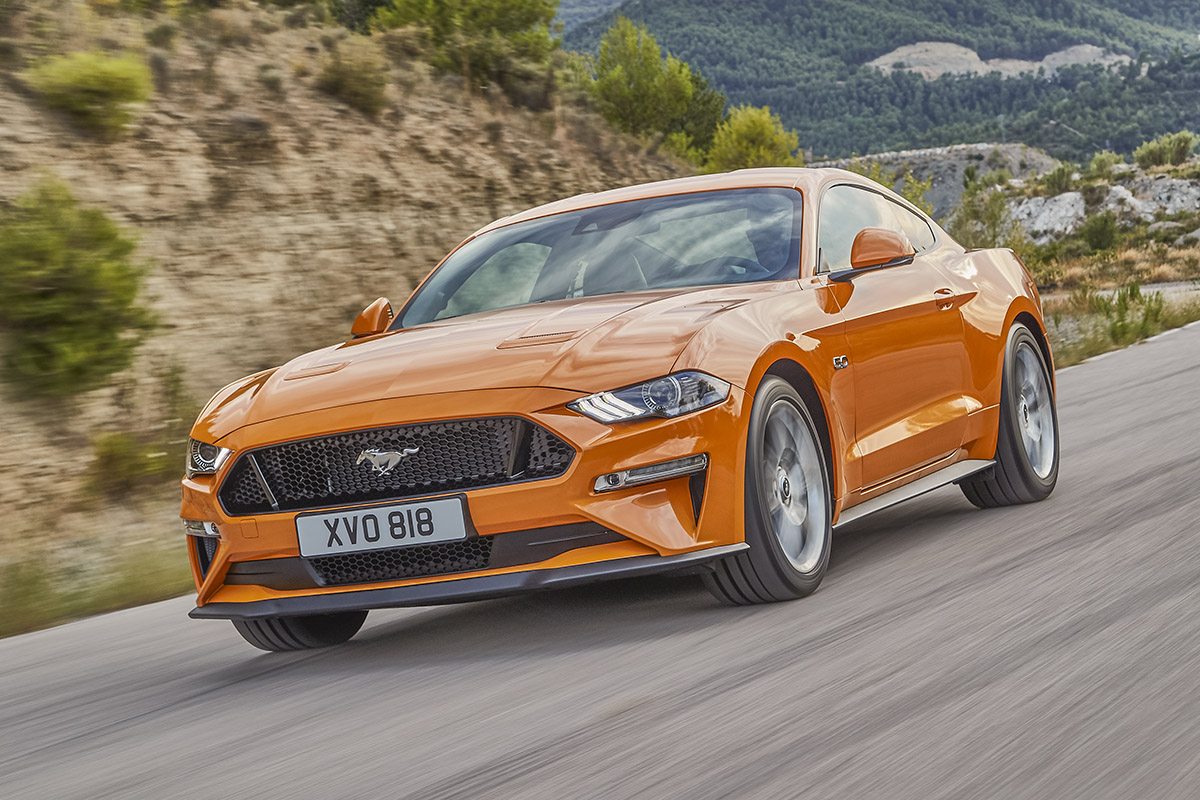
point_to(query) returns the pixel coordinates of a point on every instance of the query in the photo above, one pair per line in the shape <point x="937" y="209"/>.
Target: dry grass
<point x="1155" y="263"/>
<point x="38" y="590"/>
<point x="1088" y="323"/>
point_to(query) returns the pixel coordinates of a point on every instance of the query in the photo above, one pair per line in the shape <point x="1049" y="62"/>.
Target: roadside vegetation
<point x="37" y="592"/>
<point x="70" y="315"/>
<point x="1089" y="323"/>
<point x="94" y="88"/>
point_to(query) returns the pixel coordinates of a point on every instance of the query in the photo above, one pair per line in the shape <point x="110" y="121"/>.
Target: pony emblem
<point x="384" y="461"/>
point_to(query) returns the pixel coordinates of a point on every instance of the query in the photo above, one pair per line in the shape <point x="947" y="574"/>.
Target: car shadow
<point x="605" y="614"/>
<point x="943" y="513"/>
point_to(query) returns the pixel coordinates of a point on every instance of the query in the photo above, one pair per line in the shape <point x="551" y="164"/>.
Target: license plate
<point x="377" y="527"/>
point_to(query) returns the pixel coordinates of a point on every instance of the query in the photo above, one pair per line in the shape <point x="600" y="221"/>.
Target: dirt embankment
<point x="271" y="216"/>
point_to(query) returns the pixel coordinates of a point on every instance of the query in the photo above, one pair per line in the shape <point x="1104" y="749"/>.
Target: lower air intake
<point x="206" y="551"/>
<point x="403" y="562"/>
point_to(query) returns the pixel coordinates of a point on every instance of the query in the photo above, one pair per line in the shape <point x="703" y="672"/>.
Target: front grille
<point x="449" y="456"/>
<point x="404" y="562"/>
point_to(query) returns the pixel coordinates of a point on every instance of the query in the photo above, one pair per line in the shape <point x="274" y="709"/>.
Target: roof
<point x="801" y="178"/>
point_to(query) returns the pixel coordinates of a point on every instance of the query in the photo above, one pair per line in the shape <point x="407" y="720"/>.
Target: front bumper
<point x="655" y="522"/>
<point x="458" y="589"/>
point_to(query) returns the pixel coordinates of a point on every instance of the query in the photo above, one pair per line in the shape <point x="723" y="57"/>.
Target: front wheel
<point x="281" y="634"/>
<point x="1026" y="468"/>
<point x="788" y="512"/>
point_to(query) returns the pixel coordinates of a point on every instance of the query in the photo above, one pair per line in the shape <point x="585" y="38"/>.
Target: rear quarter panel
<point x="997" y="289"/>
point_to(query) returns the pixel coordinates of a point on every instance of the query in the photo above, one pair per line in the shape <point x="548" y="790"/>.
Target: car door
<point x="905" y="336"/>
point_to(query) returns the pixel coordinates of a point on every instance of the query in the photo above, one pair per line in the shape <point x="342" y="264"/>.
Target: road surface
<point x="1046" y="651"/>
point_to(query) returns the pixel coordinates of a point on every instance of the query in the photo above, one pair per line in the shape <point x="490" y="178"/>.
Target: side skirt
<point x="935" y="480"/>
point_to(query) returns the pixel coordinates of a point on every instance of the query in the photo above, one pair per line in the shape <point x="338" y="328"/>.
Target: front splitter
<point x="460" y="590"/>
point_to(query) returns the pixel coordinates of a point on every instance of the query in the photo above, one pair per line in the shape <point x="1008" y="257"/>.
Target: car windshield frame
<point x="628" y="241"/>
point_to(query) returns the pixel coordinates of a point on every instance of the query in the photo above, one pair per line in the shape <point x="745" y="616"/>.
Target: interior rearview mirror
<point x="373" y="319"/>
<point x="876" y="248"/>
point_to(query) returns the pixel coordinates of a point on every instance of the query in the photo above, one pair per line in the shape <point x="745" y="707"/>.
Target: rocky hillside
<point x="946" y="167"/>
<point x="1168" y="204"/>
<point x="270" y="213"/>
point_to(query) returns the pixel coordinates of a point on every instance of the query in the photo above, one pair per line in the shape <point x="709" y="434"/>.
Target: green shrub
<point x="95" y="88"/>
<point x="123" y="463"/>
<point x="983" y="219"/>
<point x="1103" y="162"/>
<point x="1171" y="148"/>
<point x="680" y="145"/>
<point x="1059" y="179"/>
<point x="636" y="88"/>
<point x="752" y="137"/>
<point x="69" y="311"/>
<point x="479" y="39"/>
<point x="356" y="74"/>
<point x="1100" y="231"/>
<point x="163" y="35"/>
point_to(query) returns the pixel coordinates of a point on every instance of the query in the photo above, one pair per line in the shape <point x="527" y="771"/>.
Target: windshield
<point x="707" y="238"/>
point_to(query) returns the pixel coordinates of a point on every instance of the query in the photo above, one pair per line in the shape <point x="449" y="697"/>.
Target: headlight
<point x="204" y="458"/>
<point x="669" y="396"/>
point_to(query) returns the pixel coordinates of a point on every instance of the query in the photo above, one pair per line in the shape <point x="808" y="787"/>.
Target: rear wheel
<point x="787" y="505"/>
<point x="1026" y="468"/>
<point x="280" y="634"/>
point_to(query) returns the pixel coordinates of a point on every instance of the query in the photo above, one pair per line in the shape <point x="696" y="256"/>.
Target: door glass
<point x="846" y="210"/>
<point x="917" y="229"/>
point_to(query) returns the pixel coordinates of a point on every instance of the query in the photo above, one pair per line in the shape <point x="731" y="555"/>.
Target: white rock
<point x="1169" y="195"/>
<point x="1188" y="239"/>
<point x="1121" y="202"/>
<point x="1047" y="218"/>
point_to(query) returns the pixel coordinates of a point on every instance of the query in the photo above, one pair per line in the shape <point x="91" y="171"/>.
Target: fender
<point x="746" y="344"/>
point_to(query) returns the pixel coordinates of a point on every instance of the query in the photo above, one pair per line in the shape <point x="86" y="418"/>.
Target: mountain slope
<point x="270" y="216"/>
<point x="805" y="58"/>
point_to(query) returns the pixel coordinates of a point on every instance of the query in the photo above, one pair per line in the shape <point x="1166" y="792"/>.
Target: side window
<point x="846" y="210"/>
<point x="506" y="279"/>
<point x="916" y="228"/>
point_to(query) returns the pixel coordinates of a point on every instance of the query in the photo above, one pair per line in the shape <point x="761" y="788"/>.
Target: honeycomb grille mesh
<point x="206" y="550"/>
<point x="242" y="490"/>
<point x="439" y="457"/>
<point x="404" y="562"/>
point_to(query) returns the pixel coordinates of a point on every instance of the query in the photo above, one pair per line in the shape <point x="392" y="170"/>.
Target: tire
<point x="282" y="634"/>
<point x="788" y="509"/>
<point x="1026" y="468"/>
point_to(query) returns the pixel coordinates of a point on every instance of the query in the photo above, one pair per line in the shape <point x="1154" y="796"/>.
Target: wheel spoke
<point x="1035" y="413"/>
<point x="791" y="539"/>
<point x="793" y="497"/>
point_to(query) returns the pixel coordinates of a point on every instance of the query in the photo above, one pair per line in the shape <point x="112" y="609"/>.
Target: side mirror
<point x="373" y="319"/>
<point x="876" y="248"/>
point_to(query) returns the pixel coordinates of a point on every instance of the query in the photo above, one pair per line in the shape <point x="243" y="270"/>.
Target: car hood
<point x="585" y="345"/>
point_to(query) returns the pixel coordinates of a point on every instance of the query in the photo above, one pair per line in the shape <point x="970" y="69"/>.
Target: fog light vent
<point x="651" y="473"/>
<point x="194" y="527"/>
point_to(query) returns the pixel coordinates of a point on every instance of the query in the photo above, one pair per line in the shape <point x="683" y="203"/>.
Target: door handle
<point x="944" y="298"/>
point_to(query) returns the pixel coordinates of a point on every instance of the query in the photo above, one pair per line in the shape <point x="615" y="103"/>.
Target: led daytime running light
<point x="669" y="396"/>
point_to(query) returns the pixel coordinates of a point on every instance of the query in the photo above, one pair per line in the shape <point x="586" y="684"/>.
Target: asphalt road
<point x="1046" y="651"/>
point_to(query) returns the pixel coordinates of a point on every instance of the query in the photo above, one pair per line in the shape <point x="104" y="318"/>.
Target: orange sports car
<point x="699" y="375"/>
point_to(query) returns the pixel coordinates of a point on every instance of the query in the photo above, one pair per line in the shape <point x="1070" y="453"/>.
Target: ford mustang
<point x="702" y="375"/>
